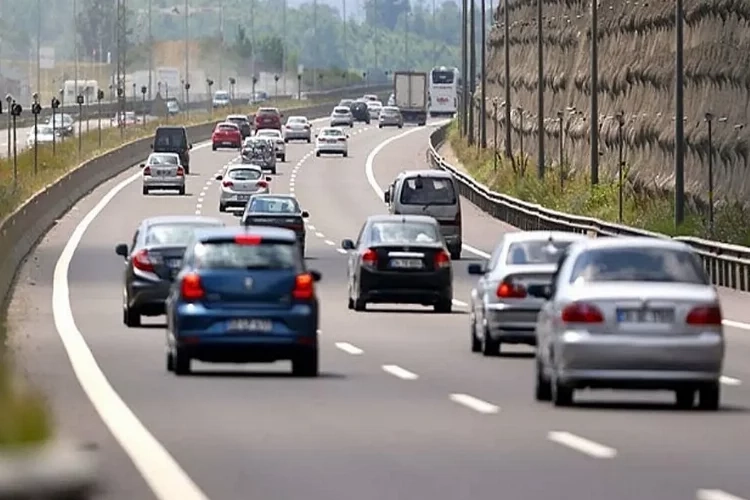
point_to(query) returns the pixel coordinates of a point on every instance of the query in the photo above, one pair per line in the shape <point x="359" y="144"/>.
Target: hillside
<point x="636" y="76"/>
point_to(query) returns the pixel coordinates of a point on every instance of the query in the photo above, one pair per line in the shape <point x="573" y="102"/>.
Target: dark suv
<point x="243" y="123"/>
<point x="360" y="111"/>
<point x="173" y="140"/>
<point x="268" y="118"/>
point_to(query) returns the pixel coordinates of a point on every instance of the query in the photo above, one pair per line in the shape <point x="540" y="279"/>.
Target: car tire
<point x="400" y="126"/>
<point x="345" y="154"/>
<point x="283" y="158"/>
<point x="350" y="303"/>
<point x="309" y="140"/>
<point x="306" y="364"/>
<point x="181" y="362"/>
<point x="543" y="388"/>
<point x="476" y="344"/>
<point x="182" y="191"/>
<point x="170" y="362"/>
<point x="222" y="208"/>
<point x="145" y="190"/>
<point x="444" y="306"/>
<point x="684" y="399"/>
<point x="187" y="169"/>
<point x="213" y="146"/>
<point x="273" y="171"/>
<point x="131" y="317"/>
<point x="286" y="141"/>
<point x="562" y="395"/>
<point x="351" y="125"/>
<point x="709" y="397"/>
<point x="360" y="305"/>
<point x="317" y="153"/>
<point x="380" y="126"/>
<point x="490" y="346"/>
<point x="456" y="254"/>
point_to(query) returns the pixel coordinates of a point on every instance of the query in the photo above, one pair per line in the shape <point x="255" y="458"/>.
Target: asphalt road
<point x="403" y="409"/>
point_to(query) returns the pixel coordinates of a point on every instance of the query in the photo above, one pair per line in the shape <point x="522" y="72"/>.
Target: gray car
<point x="297" y="128"/>
<point x="163" y="171"/>
<point x="630" y="313"/>
<point x="390" y="116"/>
<point x="152" y="261"/>
<point x="502" y="311"/>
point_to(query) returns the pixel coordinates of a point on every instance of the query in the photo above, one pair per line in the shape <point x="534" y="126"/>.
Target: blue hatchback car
<point x="243" y="295"/>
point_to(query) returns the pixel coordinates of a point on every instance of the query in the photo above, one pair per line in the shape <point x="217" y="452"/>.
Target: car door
<point x="545" y="322"/>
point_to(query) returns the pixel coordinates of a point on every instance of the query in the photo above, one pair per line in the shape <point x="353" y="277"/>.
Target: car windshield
<point x="236" y="256"/>
<point x="273" y="205"/>
<point x="244" y="174"/>
<point x="428" y="191"/>
<point x="341" y="111"/>
<point x="173" y="234"/>
<point x="221" y="95"/>
<point x="664" y="265"/>
<point x="535" y="252"/>
<point x="403" y="232"/>
<point x="163" y="160"/>
<point x="332" y="132"/>
<point x="268" y="111"/>
<point x="294" y="119"/>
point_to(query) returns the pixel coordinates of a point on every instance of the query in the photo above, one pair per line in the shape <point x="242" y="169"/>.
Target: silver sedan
<point x="163" y="171"/>
<point x="630" y="313"/>
<point x="297" y="128"/>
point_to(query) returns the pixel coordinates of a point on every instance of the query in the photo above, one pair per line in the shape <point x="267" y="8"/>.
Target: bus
<point x="444" y="86"/>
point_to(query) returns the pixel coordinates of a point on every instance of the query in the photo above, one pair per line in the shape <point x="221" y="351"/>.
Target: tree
<point x="385" y="13"/>
<point x="243" y="46"/>
<point x="271" y="51"/>
<point x="96" y="26"/>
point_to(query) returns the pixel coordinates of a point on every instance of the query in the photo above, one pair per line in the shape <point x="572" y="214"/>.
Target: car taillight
<point x="704" y="315"/>
<point x="510" y="290"/>
<point x="262" y="184"/>
<point x="370" y="258"/>
<point x="147" y="171"/>
<point x="248" y="239"/>
<point x="227" y="184"/>
<point x="191" y="287"/>
<point x="303" y="287"/>
<point x="143" y="261"/>
<point x="580" y="312"/>
<point x="180" y="172"/>
<point x="442" y="260"/>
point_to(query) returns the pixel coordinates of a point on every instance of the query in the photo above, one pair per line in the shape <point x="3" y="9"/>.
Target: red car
<point x="268" y="118"/>
<point x="226" y="135"/>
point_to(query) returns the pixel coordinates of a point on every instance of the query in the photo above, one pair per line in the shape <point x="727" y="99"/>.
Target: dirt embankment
<point x="636" y="76"/>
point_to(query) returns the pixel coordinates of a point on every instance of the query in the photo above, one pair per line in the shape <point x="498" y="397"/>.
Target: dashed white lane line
<point x="475" y="404"/>
<point x="399" y="372"/>
<point x="320" y="235"/>
<point x="715" y="495"/>
<point x="736" y="324"/>
<point x="349" y="348"/>
<point x="342" y="251"/>
<point x="582" y="445"/>
<point x="330" y="243"/>
<point x="730" y="381"/>
<point x="312" y="228"/>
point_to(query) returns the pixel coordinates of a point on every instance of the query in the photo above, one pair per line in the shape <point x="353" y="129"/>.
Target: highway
<point x="402" y="409"/>
<point x="22" y="134"/>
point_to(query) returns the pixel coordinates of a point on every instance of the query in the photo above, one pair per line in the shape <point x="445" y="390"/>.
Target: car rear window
<point x="244" y="174"/>
<point x="342" y="111"/>
<point x="404" y="232"/>
<point x="535" y="252"/>
<point x="664" y="265"/>
<point x="238" y="120"/>
<point x="268" y="112"/>
<point x="428" y="191"/>
<point x="227" y="126"/>
<point x="170" y="138"/>
<point x="173" y="234"/>
<point x="274" y="205"/>
<point x="297" y="120"/>
<point x="270" y="255"/>
<point x="333" y="132"/>
<point x="163" y="160"/>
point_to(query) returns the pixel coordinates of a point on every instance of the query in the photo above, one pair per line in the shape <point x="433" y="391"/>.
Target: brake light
<point x="262" y="184"/>
<point x="227" y="184"/>
<point x="704" y="315"/>
<point x="180" y="172"/>
<point x="580" y="312"/>
<point x="191" y="287"/>
<point x="442" y="260"/>
<point x="370" y="258"/>
<point x="510" y="290"/>
<point x="147" y="171"/>
<point x="142" y="261"/>
<point x="247" y="239"/>
<point x="303" y="287"/>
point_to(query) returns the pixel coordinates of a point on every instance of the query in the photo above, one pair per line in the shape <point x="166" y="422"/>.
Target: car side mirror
<point x="348" y="136"/>
<point x="387" y="196"/>
<point x="219" y="177"/>
<point x="122" y="250"/>
<point x="269" y="179"/>
<point x="190" y="146"/>
<point x="152" y="146"/>
<point x="316" y="136"/>
<point x="347" y="244"/>
<point x="305" y="214"/>
<point x="476" y="269"/>
<point x="540" y="291"/>
<point x="316" y="276"/>
<point x="143" y="165"/>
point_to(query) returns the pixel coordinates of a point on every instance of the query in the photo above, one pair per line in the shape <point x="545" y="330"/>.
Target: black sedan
<point x="399" y="259"/>
<point x="278" y="210"/>
<point x="153" y="260"/>
<point x="360" y="111"/>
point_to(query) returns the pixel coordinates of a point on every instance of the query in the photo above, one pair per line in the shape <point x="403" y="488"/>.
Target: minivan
<point x="173" y="139"/>
<point x="429" y="192"/>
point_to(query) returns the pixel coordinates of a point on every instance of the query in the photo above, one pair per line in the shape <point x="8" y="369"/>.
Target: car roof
<point x="242" y="166"/>
<point x="236" y="117"/>
<point x="170" y="127"/>
<point x="268" y="110"/>
<point x="442" y="174"/>
<point x="231" y="231"/>
<point x="522" y="236"/>
<point x="297" y="117"/>
<point x="226" y="124"/>
<point x="182" y="219"/>
<point x="630" y="242"/>
<point x="165" y="153"/>
<point x="425" y="219"/>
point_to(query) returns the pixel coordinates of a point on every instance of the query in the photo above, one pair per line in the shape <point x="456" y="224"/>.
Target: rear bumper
<point x="237" y="200"/>
<point x="332" y="148"/>
<point x="148" y="297"/>
<point x="341" y="123"/>
<point x="405" y="288"/>
<point x="297" y="134"/>
<point x="157" y="183"/>
<point x="229" y="143"/>
<point x="510" y="324"/>
<point x="390" y="123"/>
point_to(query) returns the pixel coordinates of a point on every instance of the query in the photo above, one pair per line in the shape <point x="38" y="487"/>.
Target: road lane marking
<point x="349" y="349"/>
<point x="730" y="380"/>
<point x="399" y="372"/>
<point x="331" y="243"/>
<point x="475" y="404"/>
<point x="460" y="303"/>
<point x="162" y="473"/>
<point x="736" y="324"/>
<point x="583" y="445"/>
<point x="320" y="235"/>
<point x="341" y="250"/>
<point x="715" y="495"/>
<point x="312" y="228"/>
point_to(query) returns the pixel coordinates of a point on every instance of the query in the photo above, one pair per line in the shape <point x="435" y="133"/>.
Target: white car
<point x="342" y="116"/>
<point x="392" y="100"/>
<point x="297" y="128"/>
<point x="44" y="136"/>
<point x="332" y="140"/>
<point x="239" y="183"/>
<point x="370" y="97"/>
<point x="374" y="108"/>
<point x="163" y="171"/>
<point x="274" y="135"/>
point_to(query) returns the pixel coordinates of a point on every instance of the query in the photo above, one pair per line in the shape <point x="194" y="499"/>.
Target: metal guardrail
<point x="727" y="265"/>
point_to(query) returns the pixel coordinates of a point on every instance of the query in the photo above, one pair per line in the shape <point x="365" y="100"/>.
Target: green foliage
<point x="642" y="208"/>
<point x="96" y="25"/>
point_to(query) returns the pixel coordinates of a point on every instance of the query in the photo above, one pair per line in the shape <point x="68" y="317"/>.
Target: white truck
<point x="410" y="95"/>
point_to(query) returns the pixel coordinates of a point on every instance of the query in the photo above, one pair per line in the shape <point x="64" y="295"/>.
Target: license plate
<point x="242" y="197"/>
<point x="406" y="263"/>
<point x="250" y="325"/>
<point x="161" y="173"/>
<point x="645" y="316"/>
<point x="174" y="263"/>
<point x="227" y="143"/>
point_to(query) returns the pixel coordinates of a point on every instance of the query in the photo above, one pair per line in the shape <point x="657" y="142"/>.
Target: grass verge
<point x="642" y="207"/>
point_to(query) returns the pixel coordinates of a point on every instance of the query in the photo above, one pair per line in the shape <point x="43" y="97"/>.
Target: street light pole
<point x="283" y="46"/>
<point x="221" y="43"/>
<point x="540" y="87"/>
<point x="38" y="45"/>
<point x="679" y="124"/>
<point x="483" y="126"/>
<point x="151" y="52"/>
<point x="343" y="27"/>
<point x="506" y="49"/>
<point x="594" y="106"/>
<point x="472" y="68"/>
<point x="75" y="47"/>
<point x="464" y="67"/>
<point x="187" y="50"/>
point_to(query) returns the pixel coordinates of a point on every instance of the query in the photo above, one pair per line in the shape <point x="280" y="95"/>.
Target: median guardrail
<point x="727" y="265"/>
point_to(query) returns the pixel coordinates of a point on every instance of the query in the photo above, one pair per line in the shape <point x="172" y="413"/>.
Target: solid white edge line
<point x="715" y="495"/>
<point x="475" y="404"/>
<point x="736" y="324"/>
<point x="349" y="348"/>
<point x="399" y="372"/>
<point x="582" y="445"/>
<point x="160" y="470"/>
<point x="730" y="381"/>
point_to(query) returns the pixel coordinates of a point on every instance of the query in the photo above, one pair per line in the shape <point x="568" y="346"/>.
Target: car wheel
<point x="543" y="390"/>
<point x="286" y="141"/>
<point x="351" y="125"/>
<point x="273" y="171"/>
<point x="350" y="303"/>
<point x="182" y="191"/>
<point x="444" y="306"/>
<point x="345" y="154"/>
<point x="131" y="317"/>
<point x="684" y="398"/>
<point x="283" y="158"/>
<point x="317" y="153"/>
<point x="380" y="126"/>
<point x="213" y="146"/>
<point x="309" y="140"/>
<point x="562" y="395"/>
<point x="709" y="397"/>
<point x="170" y="362"/>
<point x="476" y="344"/>
<point x="306" y="365"/>
<point x="490" y="346"/>
<point x="187" y="170"/>
<point x="456" y="254"/>
<point x="181" y="362"/>
<point x="360" y="304"/>
<point x="145" y="190"/>
<point x="400" y="126"/>
<point x="222" y="208"/>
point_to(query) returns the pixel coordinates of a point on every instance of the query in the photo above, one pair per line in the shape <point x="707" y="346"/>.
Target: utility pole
<point x="75" y="45"/>
<point x="594" y="106"/>
<point x="252" y="37"/>
<point x="38" y="46"/>
<point x="221" y="44"/>
<point x="508" y="106"/>
<point x="121" y="33"/>
<point x="150" y="51"/>
<point x="283" y="47"/>
<point x="472" y="68"/>
<point x="679" y="124"/>
<point x="483" y="123"/>
<point x="406" y="40"/>
<point x="464" y="68"/>
<point x="434" y="35"/>
<point x="540" y="87"/>
<point x="343" y="26"/>
<point x="187" y="44"/>
<point x="315" y="46"/>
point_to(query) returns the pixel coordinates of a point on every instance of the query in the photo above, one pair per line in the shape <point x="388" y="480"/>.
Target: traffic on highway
<point x="305" y="310"/>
